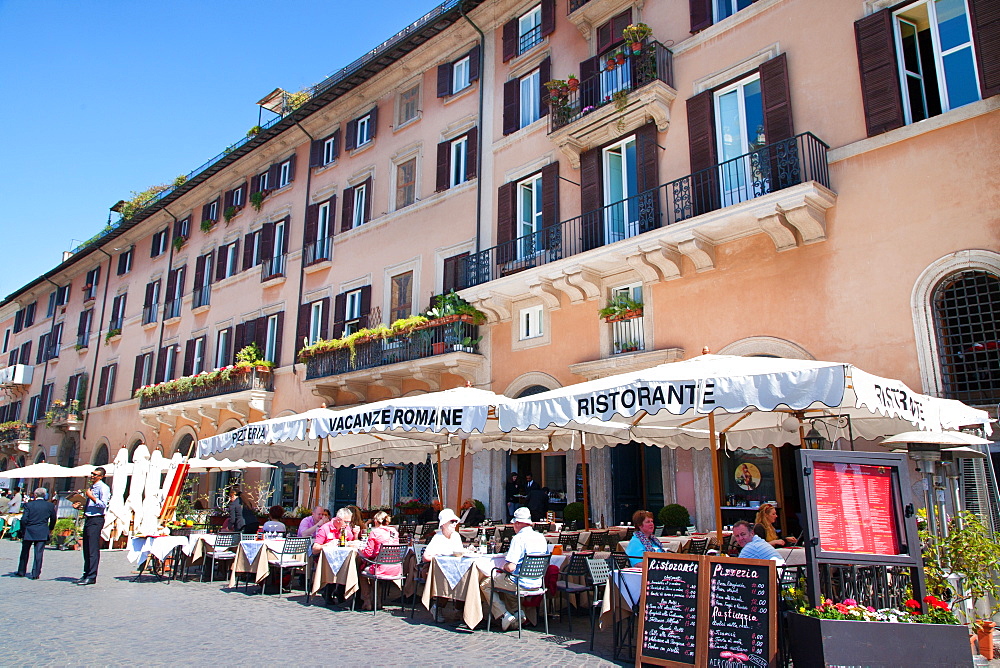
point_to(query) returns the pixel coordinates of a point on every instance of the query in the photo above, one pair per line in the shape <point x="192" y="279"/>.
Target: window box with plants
<point x="411" y="507"/>
<point x="113" y="336"/>
<point x="621" y="307"/>
<point x="451" y="307"/>
<point x="248" y="361"/>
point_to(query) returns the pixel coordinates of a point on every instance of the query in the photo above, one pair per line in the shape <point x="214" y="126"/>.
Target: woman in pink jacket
<point x="381" y="534"/>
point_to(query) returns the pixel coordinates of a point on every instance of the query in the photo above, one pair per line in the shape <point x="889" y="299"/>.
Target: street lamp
<point x="814" y="440"/>
<point x="324" y="472"/>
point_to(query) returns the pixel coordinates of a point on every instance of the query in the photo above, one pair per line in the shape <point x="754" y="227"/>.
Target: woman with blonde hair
<point x="381" y="534"/>
<point x="764" y="527"/>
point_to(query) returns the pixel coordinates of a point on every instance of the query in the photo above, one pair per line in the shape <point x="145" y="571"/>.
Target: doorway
<point x="636" y="480"/>
<point x="345" y="487"/>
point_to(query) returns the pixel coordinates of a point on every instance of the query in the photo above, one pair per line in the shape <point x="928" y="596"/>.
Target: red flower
<point x="911" y="603"/>
<point x="942" y="605"/>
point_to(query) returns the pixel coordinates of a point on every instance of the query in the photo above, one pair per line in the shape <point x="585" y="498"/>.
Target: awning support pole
<point x="716" y="476"/>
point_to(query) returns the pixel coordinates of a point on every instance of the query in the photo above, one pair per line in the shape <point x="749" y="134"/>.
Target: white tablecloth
<point x="336" y="555"/>
<point x="159" y="546"/>
<point x="193" y="539"/>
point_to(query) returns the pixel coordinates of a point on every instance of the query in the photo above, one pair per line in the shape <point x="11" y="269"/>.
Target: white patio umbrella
<point x="946" y="438"/>
<point x="151" y="500"/>
<point x="116" y="517"/>
<point x="140" y="466"/>
<point x="213" y="464"/>
<point x="40" y="470"/>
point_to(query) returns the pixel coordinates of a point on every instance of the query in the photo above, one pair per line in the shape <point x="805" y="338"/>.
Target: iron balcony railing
<point x="529" y="39"/>
<point x="765" y="170"/>
<point x="172" y="309"/>
<point x="435" y="340"/>
<point x="628" y="72"/>
<point x="83" y="340"/>
<point x="318" y="251"/>
<point x="272" y="267"/>
<point x="22" y="433"/>
<point x="116" y="322"/>
<point x="576" y="4"/>
<point x="627" y="336"/>
<point x="238" y="382"/>
<point x="149" y="313"/>
<point x="201" y="296"/>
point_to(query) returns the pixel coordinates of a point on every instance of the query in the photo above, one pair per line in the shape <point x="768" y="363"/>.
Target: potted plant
<point x="64" y="534"/>
<point x="253" y="132"/>
<point x="112" y="335"/>
<point x="572" y="83"/>
<point x="251" y="357"/>
<point x="628" y="346"/>
<point x="179" y="243"/>
<point x="573" y="512"/>
<point x="451" y="307"/>
<point x="635" y="34"/>
<point x="257" y="200"/>
<point x="230" y="213"/>
<point x="207" y="225"/>
<point x="621" y="307"/>
<point x="675" y="519"/>
<point x="412" y="506"/>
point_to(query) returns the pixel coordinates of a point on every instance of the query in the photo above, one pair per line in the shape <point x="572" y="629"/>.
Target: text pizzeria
<point x="411" y="417"/>
<point x="643" y="398"/>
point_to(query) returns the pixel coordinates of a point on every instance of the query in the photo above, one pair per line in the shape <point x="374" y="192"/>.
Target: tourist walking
<point x="37" y="522"/>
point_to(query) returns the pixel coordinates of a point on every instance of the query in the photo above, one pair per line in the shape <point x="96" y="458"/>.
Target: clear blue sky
<point x="102" y="98"/>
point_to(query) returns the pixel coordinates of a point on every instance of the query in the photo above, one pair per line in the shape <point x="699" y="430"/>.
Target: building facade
<point x="779" y="177"/>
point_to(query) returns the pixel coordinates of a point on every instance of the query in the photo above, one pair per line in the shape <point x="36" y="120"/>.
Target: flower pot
<point x="985" y="636"/>
<point x="625" y="315"/>
<point x="611" y="65"/>
<point x="823" y="642"/>
<point x="574" y="84"/>
<point x="636" y="48"/>
<point x="438" y="347"/>
<point x="620" y="58"/>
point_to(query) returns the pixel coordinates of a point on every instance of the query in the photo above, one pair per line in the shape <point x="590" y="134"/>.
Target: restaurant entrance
<point x="753" y="477"/>
<point x="548" y="470"/>
<point x="636" y="480"/>
<point x="345" y="487"/>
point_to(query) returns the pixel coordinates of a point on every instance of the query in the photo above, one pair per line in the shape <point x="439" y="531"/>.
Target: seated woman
<point x="643" y="539"/>
<point x="357" y="520"/>
<point x="446" y="540"/>
<point x="274" y="523"/>
<point x="381" y="534"/>
<point x="764" y="527"/>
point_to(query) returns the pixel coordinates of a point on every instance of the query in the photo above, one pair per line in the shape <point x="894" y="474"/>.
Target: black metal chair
<point x="598" y="539"/>
<point x="532" y="567"/>
<point x="506" y="535"/>
<point x="291" y="550"/>
<point x="577" y="567"/>
<point x="222" y="550"/>
<point x="568" y="540"/>
<point x="599" y="572"/>
<point x="419" y="576"/>
<point x="698" y="546"/>
<point x="570" y="525"/>
<point x="388" y="555"/>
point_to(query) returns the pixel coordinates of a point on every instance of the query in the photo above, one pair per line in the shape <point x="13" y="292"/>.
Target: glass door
<point x="739" y="113"/>
<point x="621" y="219"/>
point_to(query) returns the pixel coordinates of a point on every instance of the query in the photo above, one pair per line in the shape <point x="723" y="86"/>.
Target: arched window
<point x="185" y="445"/>
<point x="101" y="456"/>
<point x="966" y="309"/>
<point x="533" y="389"/>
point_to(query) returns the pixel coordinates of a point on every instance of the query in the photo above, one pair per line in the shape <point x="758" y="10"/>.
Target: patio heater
<point x="375" y="466"/>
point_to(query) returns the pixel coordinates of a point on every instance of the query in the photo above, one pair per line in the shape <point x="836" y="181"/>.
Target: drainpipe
<point x="302" y="257"/>
<point x="482" y="130"/>
<point x="100" y="328"/>
<point x="170" y="262"/>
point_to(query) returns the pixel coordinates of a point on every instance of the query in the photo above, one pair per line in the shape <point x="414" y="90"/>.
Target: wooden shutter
<point x="102" y="385"/>
<point x="610" y="33"/>
<point x="171" y="285"/>
<point x="590" y="87"/>
<point x="254" y="182"/>
<point x="509" y="40"/>
<point x="591" y="200"/>
<point x="291" y="168"/>
<point x="199" y="271"/>
<point x="776" y="99"/>
<point x="324" y="322"/>
<point x="444" y="80"/>
<point x="474" y="57"/>
<point x="351" y="131"/>
<point x="278" y="336"/>
<point x="248" y="251"/>
<point x="154" y="246"/>
<point x="273" y="174"/>
<point x="339" y="314"/>
<point x="206" y="210"/>
<point x="347" y="215"/>
<point x="43" y="344"/>
<point x="227" y="200"/>
<point x="302" y="326"/>
<point x="53" y="350"/>
<point x="316" y="152"/>
<point x="188" y="367"/>
<point x="336" y="143"/>
<point x="220" y="263"/>
<point x="122" y="263"/>
<point x="148" y="300"/>
<point x="369" y="195"/>
<point x="511" y="106"/>
<point x="544" y="75"/>
<point x="452" y="273"/>
<point x="443" y="166"/>
<point x="701" y="149"/>
<point x="366" y="305"/>
<point x="471" y="153"/>
<point x="604" y="37"/>
<point x="701" y="14"/>
<point x="548" y="17"/>
<point x="267" y="240"/>
<point x="880" y="92"/>
<point x="137" y="373"/>
<point x="506" y="212"/>
<point x="311" y="226"/>
<point x="373" y="122"/>
<point x="161" y="366"/>
<point x="81" y="327"/>
<point x="985" y="19"/>
<point x="550" y="205"/>
<point x="647" y="164"/>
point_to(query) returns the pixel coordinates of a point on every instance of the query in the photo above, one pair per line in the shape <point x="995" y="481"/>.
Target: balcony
<point x="201" y="296"/>
<point x="149" y="314"/>
<point x="16" y="375"/>
<point x="318" y="251"/>
<point x="16" y="438"/>
<point x="628" y="335"/>
<point x="780" y="189"/>
<point x="63" y="416"/>
<point x="422" y="354"/>
<point x="183" y="398"/>
<point x="272" y="268"/>
<point x="171" y="309"/>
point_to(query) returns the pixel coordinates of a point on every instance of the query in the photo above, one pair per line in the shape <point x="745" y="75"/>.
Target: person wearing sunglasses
<point x="97" y="497"/>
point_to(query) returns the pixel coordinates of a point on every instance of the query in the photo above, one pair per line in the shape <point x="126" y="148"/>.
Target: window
<point x="352" y="316"/>
<point x="183" y="228"/>
<point x="329" y="150"/>
<point x="54" y="342"/>
<point x="406" y="180"/>
<point x="456" y="160"/>
<point x="175" y="293"/>
<point x="6" y="340"/>
<point x="117" y="312"/>
<point x="409" y="103"/>
<point x="531" y="322"/>
<point x="124" y="263"/>
<point x="285" y="174"/>
<point x="19" y="321"/>
<point x="937" y="65"/>
<point x="271" y="342"/>
<point x="460" y="75"/>
<point x="529" y="99"/>
<point x="106" y="384"/>
<point x="150" y="305"/>
<point x="143" y="372"/>
<point x="202" y="293"/>
<point x="726" y="8"/>
<point x="967" y="327"/>
<point x="228" y="261"/>
<point x="456" y="76"/>
<point x="529" y="216"/>
<point x="459" y="150"/>
<point x="627" y="336"/>
<point x="621" y="185"/>
<point x="323" y="222"/>
<point x="33" y="412"/>
<point x="159" y="244"/>
<point x="358" y="217"/>
<point x="90" y="284"/>
<point x="83" y="330"/>
<point x="401" y="297"/>
<point x="262" y="182"/>
<point x="529" y="29"/>
<point x="238" y="196"/>
<point x="224" y="348"/>
<point x="169" y="363"/>
<point x="315" y="321"/>
<point x="198" y="358"/>
<point x="213" y="209"/>
<point x="363" y="131"/>
<point x="275" y="264"/>
<point x="739" y="113"/>
<point x="29" y="314"/>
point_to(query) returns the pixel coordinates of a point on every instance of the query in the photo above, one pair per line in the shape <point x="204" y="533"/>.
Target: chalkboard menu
<point x="740" y="612"/>
<point x="718" y="612"/>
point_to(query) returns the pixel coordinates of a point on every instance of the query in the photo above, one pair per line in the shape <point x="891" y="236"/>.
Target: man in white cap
<point x="446" y="540"/>
<point x="525" y="541"/>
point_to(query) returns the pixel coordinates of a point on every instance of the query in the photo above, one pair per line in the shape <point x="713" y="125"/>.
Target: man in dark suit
<point x="37" y="521"/>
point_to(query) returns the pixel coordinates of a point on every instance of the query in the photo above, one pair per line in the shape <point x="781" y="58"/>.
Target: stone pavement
<point x="51" y="621"/>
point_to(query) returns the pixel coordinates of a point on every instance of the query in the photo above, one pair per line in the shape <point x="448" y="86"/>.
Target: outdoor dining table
<point x="337" y="565"/>
<point x="159" y="547"/>
<point x="252" y="557"/>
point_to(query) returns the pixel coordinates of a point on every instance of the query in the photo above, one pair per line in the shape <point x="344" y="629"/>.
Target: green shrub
<point x="573" y="511"/>
<point x="674" y="515"/>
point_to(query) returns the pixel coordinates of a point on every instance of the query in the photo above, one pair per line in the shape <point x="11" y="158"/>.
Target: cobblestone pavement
<point x="51" y="621"/>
